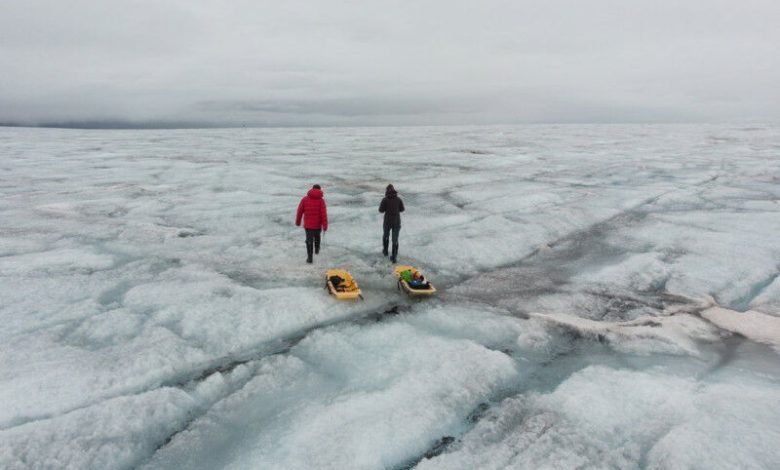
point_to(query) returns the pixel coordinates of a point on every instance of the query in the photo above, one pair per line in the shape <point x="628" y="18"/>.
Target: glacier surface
<point x="608" y="298"/>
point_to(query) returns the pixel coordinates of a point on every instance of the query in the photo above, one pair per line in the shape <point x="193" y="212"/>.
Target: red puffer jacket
<point x="312" y="209"/>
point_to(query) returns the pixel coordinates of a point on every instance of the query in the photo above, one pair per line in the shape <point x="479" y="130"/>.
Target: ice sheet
<point x="157" y="311"/>
<point x="606" y="418"/>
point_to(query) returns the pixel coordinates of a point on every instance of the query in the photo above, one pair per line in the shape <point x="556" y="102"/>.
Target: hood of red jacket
<point x="315" y="193"/>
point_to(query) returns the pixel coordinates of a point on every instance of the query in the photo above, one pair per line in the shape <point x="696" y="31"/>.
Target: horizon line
<point x="184" y="125"/>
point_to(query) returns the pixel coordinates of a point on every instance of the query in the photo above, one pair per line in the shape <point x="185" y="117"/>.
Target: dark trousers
<point x="386" y="234"/>
<point x="313" y="240"/>
<point x="386" y="239"/>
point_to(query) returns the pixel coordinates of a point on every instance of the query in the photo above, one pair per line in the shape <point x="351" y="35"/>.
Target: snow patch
<point x="754" y="325"/>
<point x="676" y="334"/>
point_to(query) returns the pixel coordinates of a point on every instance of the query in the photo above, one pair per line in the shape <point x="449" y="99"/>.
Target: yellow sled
<point x="402" y="284"/>
<point x="344" y="290"/>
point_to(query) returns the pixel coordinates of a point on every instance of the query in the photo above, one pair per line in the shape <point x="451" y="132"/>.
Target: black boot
<point x="308" y="252"/>
<point x="395" y="252"/>
<point x="384" y="247"/>
<point x="316" y="246"/>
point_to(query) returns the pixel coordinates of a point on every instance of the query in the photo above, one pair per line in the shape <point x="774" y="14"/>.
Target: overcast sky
<point x="288" y="62"/>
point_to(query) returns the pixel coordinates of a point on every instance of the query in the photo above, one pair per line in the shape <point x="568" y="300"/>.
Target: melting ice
<point x="609" y="298"/>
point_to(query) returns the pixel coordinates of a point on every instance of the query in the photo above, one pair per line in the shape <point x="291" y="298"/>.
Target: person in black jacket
<point x="391" y="206"/>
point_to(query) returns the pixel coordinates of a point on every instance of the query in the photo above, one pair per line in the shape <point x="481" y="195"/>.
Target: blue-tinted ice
<point x="609" y="298"/>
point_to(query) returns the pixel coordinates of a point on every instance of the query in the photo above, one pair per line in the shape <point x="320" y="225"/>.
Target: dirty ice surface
<point x="608" y="298"/>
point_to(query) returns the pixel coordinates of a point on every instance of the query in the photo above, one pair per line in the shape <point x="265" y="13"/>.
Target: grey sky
<point x="389" y="62"/>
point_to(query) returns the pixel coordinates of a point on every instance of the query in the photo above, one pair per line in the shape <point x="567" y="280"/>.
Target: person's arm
<point x="299" y="214"/>
<point x="400" y="205"/>
<point x="383" y="205"/>
<point x="324" y="216"/>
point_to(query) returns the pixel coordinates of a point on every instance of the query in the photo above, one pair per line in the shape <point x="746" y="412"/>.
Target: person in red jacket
<point x="315" y="219"/>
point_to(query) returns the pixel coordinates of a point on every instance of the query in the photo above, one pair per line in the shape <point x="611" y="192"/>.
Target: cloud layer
<point x="389" y="62"/>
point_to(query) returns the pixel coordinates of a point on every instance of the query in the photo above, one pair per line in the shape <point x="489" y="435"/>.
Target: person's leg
<point x="395" y="244"/>
<point x="385" y="239"/>
<point x="309" y="244"/>
<point x="317" y="234"/>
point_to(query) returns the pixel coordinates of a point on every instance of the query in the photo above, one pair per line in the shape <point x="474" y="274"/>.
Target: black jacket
<point x="392" y="206"/>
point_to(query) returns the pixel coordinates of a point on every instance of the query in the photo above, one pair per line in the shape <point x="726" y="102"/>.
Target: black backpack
<point x="338" y="282"/>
